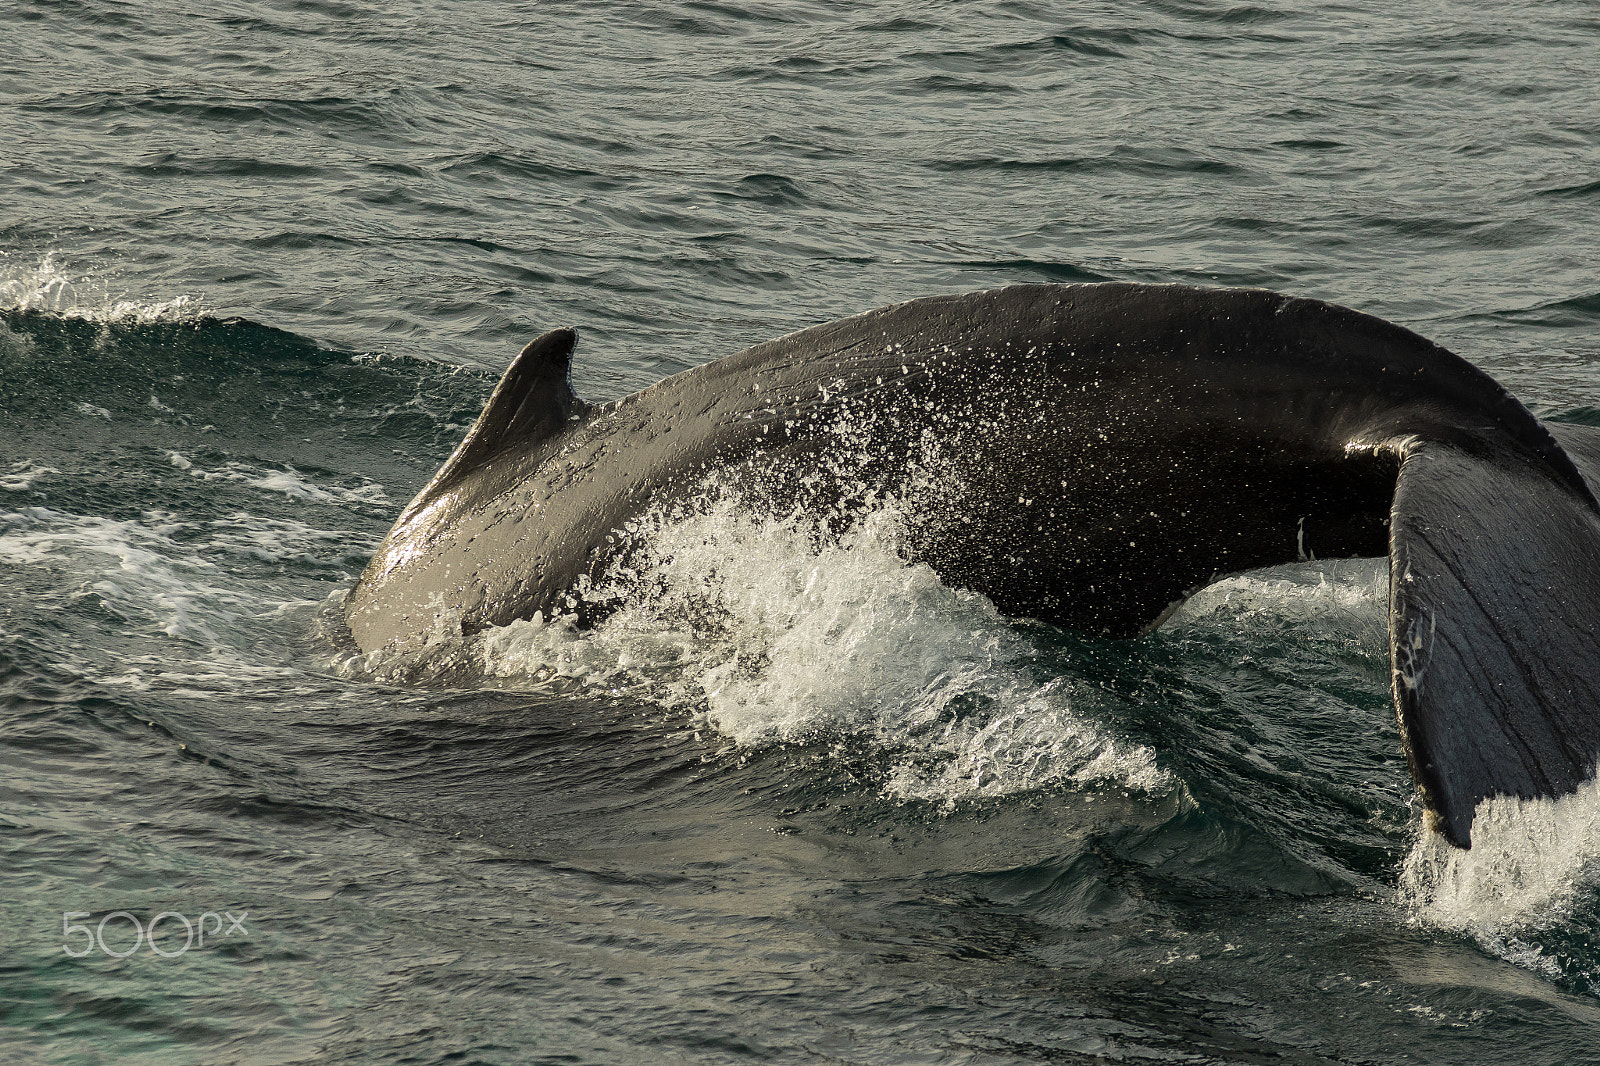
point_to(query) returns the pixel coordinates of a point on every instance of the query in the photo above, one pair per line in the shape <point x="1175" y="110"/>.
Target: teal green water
<point x="260" y="264"/>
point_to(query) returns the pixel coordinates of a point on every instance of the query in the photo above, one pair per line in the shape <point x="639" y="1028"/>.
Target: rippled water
<point x="260" y="265"/>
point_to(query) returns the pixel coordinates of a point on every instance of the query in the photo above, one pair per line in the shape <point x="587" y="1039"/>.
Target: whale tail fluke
<point x="1494" y="630"/>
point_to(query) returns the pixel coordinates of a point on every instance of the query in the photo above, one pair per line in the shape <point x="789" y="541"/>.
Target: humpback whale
<point x="1087" y="455"/>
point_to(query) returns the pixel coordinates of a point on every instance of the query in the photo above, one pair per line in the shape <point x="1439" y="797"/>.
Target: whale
<point x="1088" y="456"/>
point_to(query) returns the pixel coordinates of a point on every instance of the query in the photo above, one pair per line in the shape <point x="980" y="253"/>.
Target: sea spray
<point x="46" y="285"/>
<point x="775" y="629"/>
<point x="1530" y="879"/>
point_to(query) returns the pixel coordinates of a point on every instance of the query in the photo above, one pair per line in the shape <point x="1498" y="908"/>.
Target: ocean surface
<point x="260" y="265"/>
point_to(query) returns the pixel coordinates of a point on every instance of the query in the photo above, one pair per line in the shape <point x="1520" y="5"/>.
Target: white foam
<point x="135" y="567"/>
<point x="21" y="475"/>
<point x="1531" y="863"/>
<point x="44" y="285"/>
<point x="1342" y="601"/>
<point x="288" y="481"/>
<point x="282" y="540"/>
<point x="292" y="483"/>
<point x="773" y="630"/>
<point x="153" y="570"/>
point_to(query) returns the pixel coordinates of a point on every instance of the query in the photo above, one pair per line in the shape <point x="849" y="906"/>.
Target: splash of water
<point x="1341" y="601"/>
<point x="775" y="630"/>
<point x="45" y="285"/>
<point x="1533" y="869"/>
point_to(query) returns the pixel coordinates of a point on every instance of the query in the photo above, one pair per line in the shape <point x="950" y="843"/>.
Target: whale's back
<point x="1089" y="455"/>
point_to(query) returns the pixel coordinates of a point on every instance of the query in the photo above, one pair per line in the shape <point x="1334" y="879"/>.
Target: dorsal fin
<point x="534" y="400"/>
